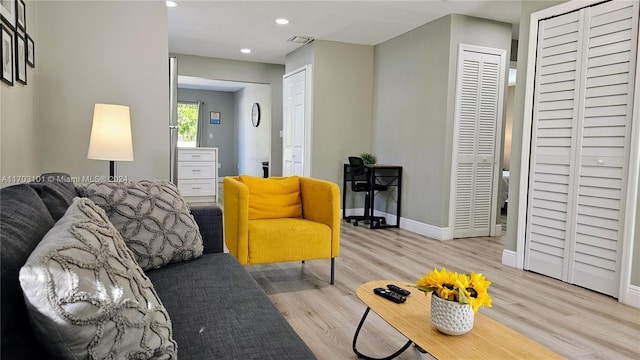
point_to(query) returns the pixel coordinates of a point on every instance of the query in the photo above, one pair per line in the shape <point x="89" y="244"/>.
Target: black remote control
<point x="388" y="294"/>
<point x="398" y="290"/>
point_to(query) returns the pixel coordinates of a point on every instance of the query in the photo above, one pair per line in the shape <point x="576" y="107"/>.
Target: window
<point x="188" y="124"/>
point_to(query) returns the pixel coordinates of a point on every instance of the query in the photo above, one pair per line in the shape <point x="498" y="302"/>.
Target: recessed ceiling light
<point x="282" y="21"/>
<point x="245" y="51"/>
<point x="172" y="4"/>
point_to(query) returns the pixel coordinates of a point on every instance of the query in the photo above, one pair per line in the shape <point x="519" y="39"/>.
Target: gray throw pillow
<point x="153" y="219"/>
<point x="88" y="298"/>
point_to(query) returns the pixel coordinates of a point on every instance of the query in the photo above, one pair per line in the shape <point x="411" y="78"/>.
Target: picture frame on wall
<point x="6" y="54"/>
<point x="31" y="54"/>
<point x="21" y="59"/>
<point x="21" y="15"/>
<point x="214" y="118"/>
<point x="8" y="12"/>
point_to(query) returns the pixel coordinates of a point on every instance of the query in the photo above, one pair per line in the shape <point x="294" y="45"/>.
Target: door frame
<point x="627" y="294"/>
<point x="497" y="158"/>
<point x="308" y="115"/>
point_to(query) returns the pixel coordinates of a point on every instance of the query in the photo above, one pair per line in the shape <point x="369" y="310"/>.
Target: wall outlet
<point x="219" y="165"/>
<point x="210" y="136"/>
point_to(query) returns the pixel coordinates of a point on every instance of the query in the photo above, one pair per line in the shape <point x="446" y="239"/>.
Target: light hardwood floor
<point x="574" y="322"/>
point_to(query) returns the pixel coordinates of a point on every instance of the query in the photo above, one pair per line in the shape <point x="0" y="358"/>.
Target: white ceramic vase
<point x="451" y="317"/>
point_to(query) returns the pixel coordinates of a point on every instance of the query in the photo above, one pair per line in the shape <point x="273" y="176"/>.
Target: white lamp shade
<point x="111" y="133"/>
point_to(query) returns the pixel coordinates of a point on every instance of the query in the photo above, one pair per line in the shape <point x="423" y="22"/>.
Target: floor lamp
<point x="111" y="135"/>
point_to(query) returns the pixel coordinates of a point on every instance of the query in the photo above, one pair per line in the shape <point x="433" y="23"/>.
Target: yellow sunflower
<point x="463" y="286"/>
<point x="480" y="285"/>
<point x="442" y="282"/>
<point x="466" y="289"/>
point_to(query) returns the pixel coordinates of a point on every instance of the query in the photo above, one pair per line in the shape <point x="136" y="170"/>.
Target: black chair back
<point x="357" y="173"/>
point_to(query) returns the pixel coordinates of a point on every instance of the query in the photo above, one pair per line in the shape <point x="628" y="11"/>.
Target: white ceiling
<point x="220" y="29"/>
<point x="196" y="83"/>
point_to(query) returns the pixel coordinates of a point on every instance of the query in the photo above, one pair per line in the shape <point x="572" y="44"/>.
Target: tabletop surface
<point x="488" y="339"/>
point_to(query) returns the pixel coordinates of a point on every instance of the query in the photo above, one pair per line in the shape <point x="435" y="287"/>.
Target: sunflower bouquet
<point x="463" y="288"/>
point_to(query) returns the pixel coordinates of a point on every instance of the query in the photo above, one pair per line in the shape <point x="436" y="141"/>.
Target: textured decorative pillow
<point x="153" y="219"/>
<point x="274" y="197"/>
<point x="88" y="298"/>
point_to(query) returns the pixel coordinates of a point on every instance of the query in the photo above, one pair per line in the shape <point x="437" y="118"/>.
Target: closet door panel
<point x="553" y="138"/>
<point x="604" y="139"/>
<point x="479" y="87"/>
<point x="464" y="197"/>
<point x="466" y="149"/>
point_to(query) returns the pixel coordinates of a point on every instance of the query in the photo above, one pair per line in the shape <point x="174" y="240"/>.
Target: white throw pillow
<point x="88" y="298"/>
<point x="153" y="219"/>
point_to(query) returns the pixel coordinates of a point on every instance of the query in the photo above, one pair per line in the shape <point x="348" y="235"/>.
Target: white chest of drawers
<point x="198" y="174"/>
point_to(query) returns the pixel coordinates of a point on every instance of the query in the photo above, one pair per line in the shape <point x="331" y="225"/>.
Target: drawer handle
<point x="195" y="156"/>
<point x="195" y="188"/>
<point x="195" y="170"/>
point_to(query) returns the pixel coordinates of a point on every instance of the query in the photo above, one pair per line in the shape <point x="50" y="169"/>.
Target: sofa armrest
<point x="321" y="203"/>
<point x="209" y="220"/>
<point x="236" y="218"/>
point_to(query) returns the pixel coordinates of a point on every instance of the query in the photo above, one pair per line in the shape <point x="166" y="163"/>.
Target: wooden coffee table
<point x="488" y="339"/>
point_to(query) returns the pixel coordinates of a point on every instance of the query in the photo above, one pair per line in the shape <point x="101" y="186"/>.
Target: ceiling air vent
<point x="301" y="39"/>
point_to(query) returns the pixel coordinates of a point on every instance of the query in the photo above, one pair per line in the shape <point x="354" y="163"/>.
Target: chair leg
<point x="367" y="206"/>
<point x="333" y="270"/>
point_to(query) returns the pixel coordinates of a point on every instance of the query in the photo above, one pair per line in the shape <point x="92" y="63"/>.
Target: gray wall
<point x="300" y="57"/>
<point x="342" y="102"/>
<point x="84" y="59"/>
<point x="233" y="70"/>
<point x="342" y="106"/>
<point x="253" y="143"/>
<point x="528" y="7"/>
<point x="222" y="136"/>
<point x="414" y="101"/>
<point x="20" y="130"/>
<point x="409" y="127"/>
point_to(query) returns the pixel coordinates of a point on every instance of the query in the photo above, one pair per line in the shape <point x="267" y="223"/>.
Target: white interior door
<point x="478" y="120"/>
<point x="580" y="144"/>
<point x="296" y="124"/>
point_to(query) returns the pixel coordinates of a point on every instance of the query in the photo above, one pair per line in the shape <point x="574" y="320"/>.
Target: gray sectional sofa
<point x="216" y="308"/>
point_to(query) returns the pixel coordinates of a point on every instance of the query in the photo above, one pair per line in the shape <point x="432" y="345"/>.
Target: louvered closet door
<point x="580" y="144"/>
<point x="609" y="70"/>
<point x="552" y="145"/>
<point x="477" y="124"/>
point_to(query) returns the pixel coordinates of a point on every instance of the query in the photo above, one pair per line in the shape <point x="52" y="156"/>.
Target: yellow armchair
<point x="281" y="219"/>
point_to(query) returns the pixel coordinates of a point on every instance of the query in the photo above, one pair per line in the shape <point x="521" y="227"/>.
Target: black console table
<point x="389" y="175"/>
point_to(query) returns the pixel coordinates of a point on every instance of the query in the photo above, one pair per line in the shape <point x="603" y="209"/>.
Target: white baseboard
<point x="352" y="212"/>
<point x="509" y="258"/>
<point x="427" y="230"/>
<point x="632" y="297"/>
